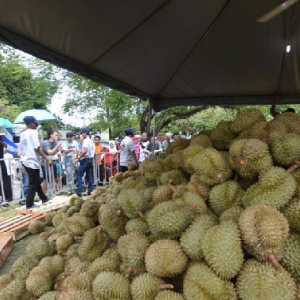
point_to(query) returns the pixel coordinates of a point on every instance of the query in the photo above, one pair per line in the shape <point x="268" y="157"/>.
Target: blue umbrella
<point x="39" y="114"/>
<point x="6" y="123"/>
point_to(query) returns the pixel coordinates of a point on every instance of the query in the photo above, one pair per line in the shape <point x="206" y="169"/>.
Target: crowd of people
<point x="79" y="162"/>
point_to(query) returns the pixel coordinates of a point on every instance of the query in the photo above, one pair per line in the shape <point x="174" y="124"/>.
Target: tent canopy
<point x="171" y="52"/>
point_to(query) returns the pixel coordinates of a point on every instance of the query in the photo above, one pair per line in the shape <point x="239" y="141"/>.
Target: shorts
<point x="57" y="170"/>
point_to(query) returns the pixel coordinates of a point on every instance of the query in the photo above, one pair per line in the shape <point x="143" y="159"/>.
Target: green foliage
<point x="20" y="88"/>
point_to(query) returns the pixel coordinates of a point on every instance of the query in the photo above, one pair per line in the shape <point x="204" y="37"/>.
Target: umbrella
<point x="6" y="123"/>
<point x="39" y="114"/>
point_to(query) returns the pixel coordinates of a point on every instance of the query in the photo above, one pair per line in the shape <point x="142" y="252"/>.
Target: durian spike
<point x="273" y="260"/>
<point x="129" y="272"/>
<point x="172" y="187"/>
<point x="162" y="287"/>
<point x="294" y="167"/>
<point x="236" y="177"/>
<point x="142" y="216"/>
<point x="58" y="287"/>
<point x="118" y="213"/>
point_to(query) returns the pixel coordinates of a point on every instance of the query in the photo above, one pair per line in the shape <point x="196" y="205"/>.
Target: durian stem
<point x="294" y="167"/>
<point x="78" y="238"/>
<point x="172" y="187"/>
<point x="118" y="213"/>
<point x="273" y="260"/>
<point x="141" y="215"/>
<point x="236" y="177"/>
<point x="58" y="287"/>
<point x="165" y="287"/>
<point x="129" y="272"/>
<point x="99" y="229"/>
<point x="192" y="207"/>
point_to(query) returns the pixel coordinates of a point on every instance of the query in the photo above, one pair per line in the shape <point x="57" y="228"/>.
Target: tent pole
<point x="154" y="133"/>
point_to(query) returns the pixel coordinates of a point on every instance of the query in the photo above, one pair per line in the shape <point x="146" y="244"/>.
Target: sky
<point x="59" y="100"/>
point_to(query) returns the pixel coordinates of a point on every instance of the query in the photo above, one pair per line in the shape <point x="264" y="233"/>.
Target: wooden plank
<point x="16" y="228"/>
<point x="6" y="246"/>
<point x="56" y="203"/>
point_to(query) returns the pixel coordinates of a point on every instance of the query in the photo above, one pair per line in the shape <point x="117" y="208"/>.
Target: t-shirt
<point x="47" y="145"/>
<point x="88" y="143"/>
<point x="143" y="155"/>
<point x="66" y="145"/>
<point x="9" y="161"/>
<point x="29" y="141"/>
<point x="99" y="151"/>
<point x="157" y="146"/>
<point x="127" y="146"/>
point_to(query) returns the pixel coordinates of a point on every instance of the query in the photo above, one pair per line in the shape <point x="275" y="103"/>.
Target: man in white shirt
<point x="144" y="144"/>
<point x="127" y="150"/>
<point x="85" y="162"/>
<point x="30" y="149"/>
<point x="69" y="149"/>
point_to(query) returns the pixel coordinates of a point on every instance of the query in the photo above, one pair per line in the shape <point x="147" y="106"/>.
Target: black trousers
<point x="6" y="182"/>
<point x="34" y="186"/>
<point x="123" y="169"/>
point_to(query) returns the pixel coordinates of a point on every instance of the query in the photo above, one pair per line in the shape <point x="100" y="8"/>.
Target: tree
<point x="21" y="87"/>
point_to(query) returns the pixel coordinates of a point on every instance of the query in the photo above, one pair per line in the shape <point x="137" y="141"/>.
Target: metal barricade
<point x="104" y="169"/>
<point x="18" y="184"/>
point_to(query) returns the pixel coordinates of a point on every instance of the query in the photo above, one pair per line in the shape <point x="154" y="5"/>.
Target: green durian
<point x="222" y="250"/>
<point x="292" y="213"/>
<point x="211" y="167"/>
<point x="246" y="119"/>
<point x="258" y="281"/>
<point x="94" y="242"/>
<point x="224" y="196"/>
<point x="291" y="256"/>
<point x="77" y="225"/>
<point x="275" y="187"/>
<point x="52" y="295"/>
<point x="146" y="287"/>
<point x="36" y="227"/>
<point x="168" y="295"/>
<point x="192" y="237"/>
<point x="111" y="285"/>
<point x="264" y="231"/>
<point x="222" y="135"/>
<point x="165" y="258"/>
<point x="250" y="157"/>
<point x="22" y="267"/>
<point x="286" y="150"/>
<point x="170" y="218"/>
<point x="39" y="248"/>
<point x="200" y="282"/>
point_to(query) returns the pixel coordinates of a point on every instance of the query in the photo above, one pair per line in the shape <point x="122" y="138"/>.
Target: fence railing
<point x="15" y="184"/>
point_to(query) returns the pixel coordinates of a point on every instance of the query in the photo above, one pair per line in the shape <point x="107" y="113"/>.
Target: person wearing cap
<point x="127" y="150"/>
<point x="69" y="150"/>
<point x="85" y="159"/>
<point x="30" y="149"/>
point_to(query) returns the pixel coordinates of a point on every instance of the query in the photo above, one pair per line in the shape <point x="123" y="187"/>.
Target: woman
<point x="5" y="185"/>
<point x="111" y="159"/>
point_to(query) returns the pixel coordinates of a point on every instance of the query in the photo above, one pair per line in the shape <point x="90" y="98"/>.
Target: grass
<point x="19" y="246"/>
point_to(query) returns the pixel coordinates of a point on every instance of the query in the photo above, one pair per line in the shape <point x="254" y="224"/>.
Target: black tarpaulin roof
<point x="179" y="52"/>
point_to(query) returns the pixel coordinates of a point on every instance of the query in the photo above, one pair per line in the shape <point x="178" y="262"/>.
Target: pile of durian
<point x="217" y="218"/>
